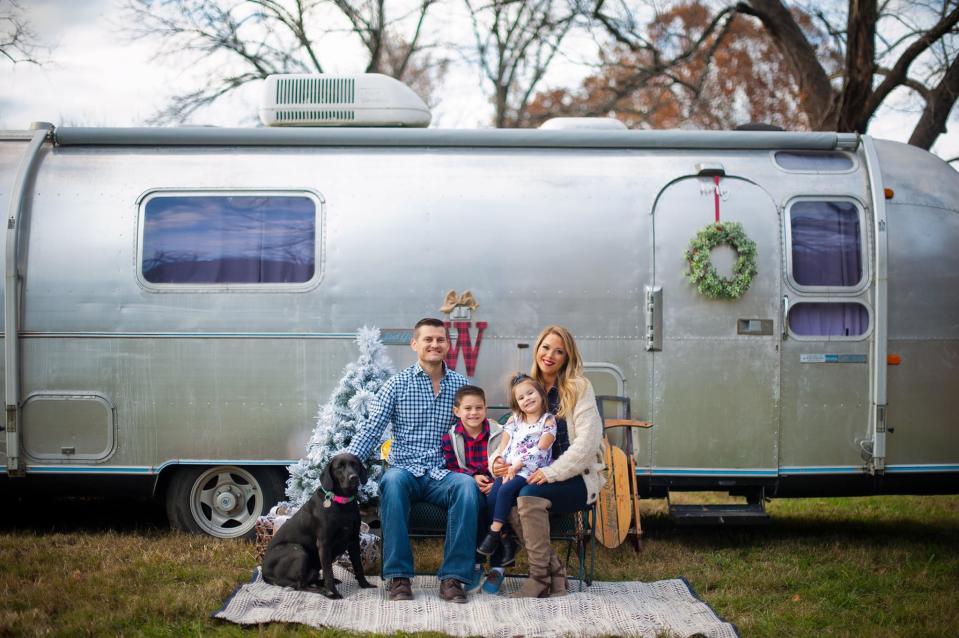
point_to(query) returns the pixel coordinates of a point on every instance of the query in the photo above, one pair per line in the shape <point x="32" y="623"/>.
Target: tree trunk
<point x="860" y="66"/>
<point x="938" y="105"/>
<point x="816" y="95"/>
<point x="500" y="105"/>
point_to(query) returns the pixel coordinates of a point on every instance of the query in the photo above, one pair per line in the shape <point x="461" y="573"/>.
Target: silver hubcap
<point x="226" y="501"/>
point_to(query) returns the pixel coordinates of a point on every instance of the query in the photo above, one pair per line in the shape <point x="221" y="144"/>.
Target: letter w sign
<point x="464" y="343"/>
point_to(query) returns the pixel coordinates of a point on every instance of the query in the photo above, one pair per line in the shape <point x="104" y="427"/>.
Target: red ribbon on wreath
<point x="716" y="195"/>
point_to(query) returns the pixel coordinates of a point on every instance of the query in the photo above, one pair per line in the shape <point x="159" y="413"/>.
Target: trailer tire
<point x="223" y="501"/>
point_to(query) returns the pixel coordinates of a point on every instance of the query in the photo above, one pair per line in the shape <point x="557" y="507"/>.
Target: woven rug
<point x="661" y="608"/>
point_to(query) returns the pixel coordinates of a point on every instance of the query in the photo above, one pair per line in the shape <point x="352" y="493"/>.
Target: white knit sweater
<point x="585" y="454"/>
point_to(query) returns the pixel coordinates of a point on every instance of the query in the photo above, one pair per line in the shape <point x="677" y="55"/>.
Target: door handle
<point x="785" y="316"/>
<point x="654" y="318"/>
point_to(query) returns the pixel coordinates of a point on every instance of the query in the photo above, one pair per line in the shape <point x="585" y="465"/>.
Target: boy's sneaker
<point x="494" y="580"/>
<point x="476" y="581"/>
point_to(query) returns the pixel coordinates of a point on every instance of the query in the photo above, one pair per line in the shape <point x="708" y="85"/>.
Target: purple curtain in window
<point x="219" y="239"/>
<point x="825" y="244"/>
<point x="829" y="319"/>
<point x="826" y="252"/>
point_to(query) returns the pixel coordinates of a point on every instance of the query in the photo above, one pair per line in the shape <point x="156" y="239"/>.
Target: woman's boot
<point x="558" y="583"/>
<point x="534" y="514"/>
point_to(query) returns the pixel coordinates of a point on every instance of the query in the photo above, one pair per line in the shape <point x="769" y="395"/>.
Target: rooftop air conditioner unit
<point x="367" y="99"/>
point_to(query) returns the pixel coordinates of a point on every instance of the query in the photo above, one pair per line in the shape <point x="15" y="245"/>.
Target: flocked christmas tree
<point x="340" y="419"/>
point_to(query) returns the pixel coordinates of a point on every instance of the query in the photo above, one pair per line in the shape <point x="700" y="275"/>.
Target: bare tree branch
<point x="897" y="75"/>
<point x="816" y="94"/>
<point x="932" y="123"/>
<point x="241" y="41"/>
<point x="515" y="43"/>
<point x="18" y="41"/>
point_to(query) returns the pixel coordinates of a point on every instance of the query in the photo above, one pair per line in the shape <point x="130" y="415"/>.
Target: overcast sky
<point x="95" y="77"/>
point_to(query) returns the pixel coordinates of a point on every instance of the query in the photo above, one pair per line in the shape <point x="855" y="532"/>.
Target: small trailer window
<point x="815" y="319"/>
<point x="229" y="239"/>
<point x="826" y="243"/>
<point x="814" y="161"/>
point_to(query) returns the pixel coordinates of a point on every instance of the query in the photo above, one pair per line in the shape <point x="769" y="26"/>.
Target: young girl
<point x="526" y="446"/>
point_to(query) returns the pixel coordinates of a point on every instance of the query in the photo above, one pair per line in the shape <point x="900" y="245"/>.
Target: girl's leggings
<point x="502" y="497"/>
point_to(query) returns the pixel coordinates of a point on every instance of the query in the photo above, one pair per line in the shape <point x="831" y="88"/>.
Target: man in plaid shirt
<point x="418" y="401"/>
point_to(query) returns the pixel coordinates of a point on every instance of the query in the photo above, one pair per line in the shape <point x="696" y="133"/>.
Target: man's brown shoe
<point x="400" y="589"/>
<point x="451" y="590"/>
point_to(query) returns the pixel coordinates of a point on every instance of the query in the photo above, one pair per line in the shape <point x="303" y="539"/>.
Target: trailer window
<point x="809" y="319"/>
<point x="229" y="239"/>
<point x="814" y="161"/>
<point x="826" y="243"/>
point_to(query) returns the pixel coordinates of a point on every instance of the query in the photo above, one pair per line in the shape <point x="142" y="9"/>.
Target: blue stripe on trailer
<point x="902" y="469"/>
<point x="682" y="471"/>
<point x="139" y="469"/>
<point x="222" y="462"/>
<point x="822" y="469"/>
<point x="86" y="469"/>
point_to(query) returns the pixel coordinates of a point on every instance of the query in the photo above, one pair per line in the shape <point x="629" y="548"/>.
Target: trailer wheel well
<point x="185" y="482"/>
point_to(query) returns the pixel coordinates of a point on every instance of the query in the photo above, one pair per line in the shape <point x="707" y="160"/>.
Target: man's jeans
<point x="456" y="493"/>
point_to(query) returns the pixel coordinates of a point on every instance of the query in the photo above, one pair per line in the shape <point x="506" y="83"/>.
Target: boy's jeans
<point x="457" y="493"/>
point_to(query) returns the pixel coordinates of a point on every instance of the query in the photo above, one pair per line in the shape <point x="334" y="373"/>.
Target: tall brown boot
<point x="558" y="583"/>
<point x="534" y="514"/>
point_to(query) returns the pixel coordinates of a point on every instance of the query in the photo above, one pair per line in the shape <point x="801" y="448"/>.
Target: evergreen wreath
<point x="703" y="274"/>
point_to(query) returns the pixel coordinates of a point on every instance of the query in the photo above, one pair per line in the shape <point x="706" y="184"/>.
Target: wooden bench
<point x="576" y="529"/>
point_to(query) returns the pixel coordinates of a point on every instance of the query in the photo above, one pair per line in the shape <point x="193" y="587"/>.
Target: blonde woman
<point x="575" y="477"/>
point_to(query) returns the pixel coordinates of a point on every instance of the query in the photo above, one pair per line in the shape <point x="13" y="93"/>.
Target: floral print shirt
<point x="524" y="443"/>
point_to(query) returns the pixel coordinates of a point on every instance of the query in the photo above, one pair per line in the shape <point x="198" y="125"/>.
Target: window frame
<point x="844" y="291"/>
<point x="795" y="171"/>
<point x="319" y="203"/>
<point x="830" y="300"/>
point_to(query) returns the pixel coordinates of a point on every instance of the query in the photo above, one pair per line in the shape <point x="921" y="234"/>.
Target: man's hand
<point x="499" y="466"/>
<point x="483" y="482"/>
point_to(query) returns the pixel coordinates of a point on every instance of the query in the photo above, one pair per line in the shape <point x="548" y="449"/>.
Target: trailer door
<point x="715" y="362"/>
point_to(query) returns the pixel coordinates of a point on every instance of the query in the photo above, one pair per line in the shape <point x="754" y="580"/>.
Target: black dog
<point x="323" y="528"/>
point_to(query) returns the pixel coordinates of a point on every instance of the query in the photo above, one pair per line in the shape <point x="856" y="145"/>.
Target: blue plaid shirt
<point x="419" y="418"/>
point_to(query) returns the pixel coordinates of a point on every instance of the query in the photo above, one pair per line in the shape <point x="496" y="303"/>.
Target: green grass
<point x="880" y="566"/>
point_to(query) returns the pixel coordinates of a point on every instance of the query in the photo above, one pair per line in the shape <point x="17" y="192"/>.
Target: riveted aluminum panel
<point x="825" y="406"/>
<point x="716" y="392"/>
<point x="556" y="233"/>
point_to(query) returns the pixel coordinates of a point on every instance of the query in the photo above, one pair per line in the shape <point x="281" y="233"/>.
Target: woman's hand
<point x="500" y="468"/>
<point x="537" y="478"/>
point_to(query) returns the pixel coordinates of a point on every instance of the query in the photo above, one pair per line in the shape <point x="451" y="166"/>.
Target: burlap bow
<point x="451" y="301"/>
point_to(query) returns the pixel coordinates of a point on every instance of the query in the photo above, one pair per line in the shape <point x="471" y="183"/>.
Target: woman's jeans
<point x="456" y="493"/>
<point x="564" y="496"/>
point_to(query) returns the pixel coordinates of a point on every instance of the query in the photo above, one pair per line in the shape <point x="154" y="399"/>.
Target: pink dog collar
<point x="334" y="498"/>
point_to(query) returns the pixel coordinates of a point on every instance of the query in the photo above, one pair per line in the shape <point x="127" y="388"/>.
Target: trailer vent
<point x="298" y="117"/>
<point x="368" y="99"/>
<point x="315" y="90"/>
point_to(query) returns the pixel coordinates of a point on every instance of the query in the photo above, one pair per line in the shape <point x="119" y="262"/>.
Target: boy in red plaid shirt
<point x="466" y="450"/>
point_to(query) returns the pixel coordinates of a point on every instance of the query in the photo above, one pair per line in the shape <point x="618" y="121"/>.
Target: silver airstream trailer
<point x="178" y="301"/>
